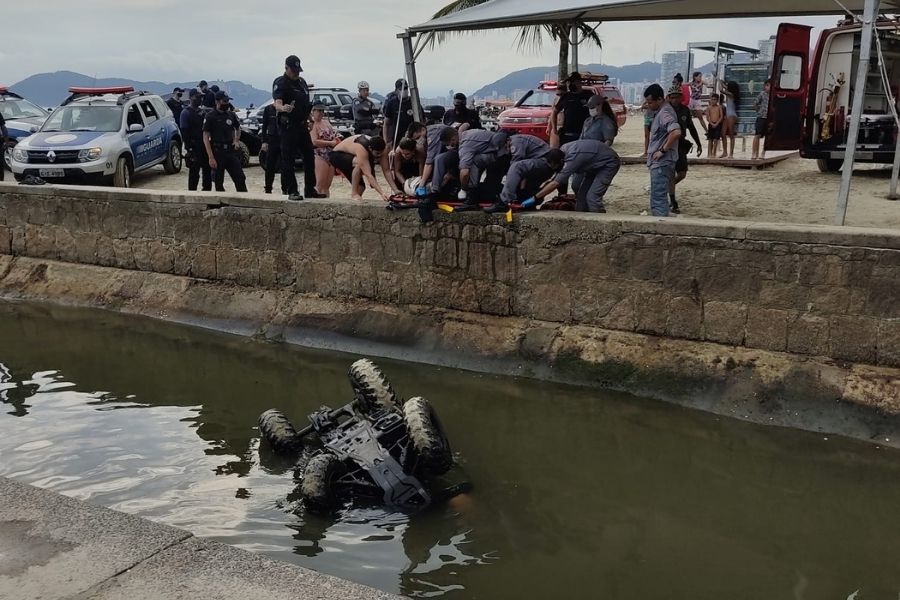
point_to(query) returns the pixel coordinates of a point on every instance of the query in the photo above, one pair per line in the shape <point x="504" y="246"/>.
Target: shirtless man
<point x="356" y="157"/>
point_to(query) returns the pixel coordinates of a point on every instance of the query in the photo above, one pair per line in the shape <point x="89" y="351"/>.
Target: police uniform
<point x="293" y="127"/>
<point x="364" y="112"/>
<point x="191" y="125"/>
<point x="594" y="165"/>
<point x="523" y="147"/>
<point x="444" y="161"/>
<point x="399" y="112"/>
<point x="221" y="127"/>
<point x="524" y="179"/>
<point x="481" y="151"/>
<point x="175" y="106"/>
<point x="270" y="136"/>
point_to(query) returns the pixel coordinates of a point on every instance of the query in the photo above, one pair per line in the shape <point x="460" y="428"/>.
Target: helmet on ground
<point x="409" y="188"/>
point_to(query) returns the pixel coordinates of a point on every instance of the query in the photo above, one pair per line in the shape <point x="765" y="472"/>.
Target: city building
<point x="672" y="63"/>
<point x="767" y="49"/>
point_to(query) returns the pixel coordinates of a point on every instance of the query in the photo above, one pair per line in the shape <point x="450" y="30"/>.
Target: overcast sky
<point x="339" y="41"/>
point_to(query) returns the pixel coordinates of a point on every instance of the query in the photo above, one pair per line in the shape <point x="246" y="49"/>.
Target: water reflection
<point x="597" y="494"/>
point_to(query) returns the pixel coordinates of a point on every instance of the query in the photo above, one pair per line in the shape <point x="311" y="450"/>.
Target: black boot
<point x="497" y="207"/>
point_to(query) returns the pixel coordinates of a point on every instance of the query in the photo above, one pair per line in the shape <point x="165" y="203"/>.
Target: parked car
<point x="531" y="113"/>
<point x="101" y="135"/>
<point x="22" y="119"/>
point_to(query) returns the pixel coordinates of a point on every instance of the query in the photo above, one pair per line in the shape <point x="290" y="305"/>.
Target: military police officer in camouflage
<point x="364" y="112"/>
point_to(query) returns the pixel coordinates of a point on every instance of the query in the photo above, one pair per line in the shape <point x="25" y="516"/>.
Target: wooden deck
<point x="739" y="162"/>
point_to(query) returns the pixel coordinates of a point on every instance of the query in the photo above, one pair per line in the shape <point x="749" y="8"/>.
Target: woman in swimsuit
<point x="324" y="138"/>
<point x="732" y="93"/>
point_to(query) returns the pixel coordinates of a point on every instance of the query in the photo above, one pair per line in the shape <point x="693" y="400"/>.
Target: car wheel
<point x="318" y="476"/>
<point x="829" y="165"/>
<point x="427" y="437"/>
<point x="122" y="176"/>
<point x="245" y="154"/>
<point x="278" y="431"/>
<point x="173" y="160"/>
<point x="371" y="388"/>
<point x="7" y="158"/>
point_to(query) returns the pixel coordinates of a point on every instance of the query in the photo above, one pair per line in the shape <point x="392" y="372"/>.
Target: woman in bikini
<point x="324" y="139"/>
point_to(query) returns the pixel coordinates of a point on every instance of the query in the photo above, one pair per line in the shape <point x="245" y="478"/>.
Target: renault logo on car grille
<point x="51" y="156"/>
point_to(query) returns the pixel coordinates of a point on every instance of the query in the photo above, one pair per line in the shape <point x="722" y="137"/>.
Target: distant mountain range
<point x="49" y="89"/>
<point x="528" y="78"/>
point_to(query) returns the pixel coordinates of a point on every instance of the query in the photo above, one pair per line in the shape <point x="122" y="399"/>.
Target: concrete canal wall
<point x="55" y="547"/>
<point x="762" y="311"/>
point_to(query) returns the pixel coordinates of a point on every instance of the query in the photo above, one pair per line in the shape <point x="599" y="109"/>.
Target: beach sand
<point x="792" y="191"/>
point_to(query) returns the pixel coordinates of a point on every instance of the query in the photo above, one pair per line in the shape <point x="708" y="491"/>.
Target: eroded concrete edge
<point x="772" y="388"/>
<point x="96" y="552"/>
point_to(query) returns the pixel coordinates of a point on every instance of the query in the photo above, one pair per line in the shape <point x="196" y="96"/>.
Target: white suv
<point x="101" y="135"/>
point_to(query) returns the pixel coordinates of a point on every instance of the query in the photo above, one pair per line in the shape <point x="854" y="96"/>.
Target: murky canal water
<point x="578" y="493"/>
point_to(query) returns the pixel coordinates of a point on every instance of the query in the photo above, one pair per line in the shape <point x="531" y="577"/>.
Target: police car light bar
<point x="99" y="91"/>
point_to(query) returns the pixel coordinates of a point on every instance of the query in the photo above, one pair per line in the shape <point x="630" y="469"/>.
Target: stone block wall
<point x="818" y="291"/>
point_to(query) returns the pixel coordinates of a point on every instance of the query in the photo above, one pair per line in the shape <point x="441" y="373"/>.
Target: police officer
<point x="525" y="147"/>
<point x="174" y="104"/>
<point x="482" y="151"/>
<point x="398" y="113"/>
<point x="364" y="112"/>
<point x="221" y="133"/>
<point x="594" y="165"/>
<point x="191" y="125"/>
<point x="461" y="116"/>
<point x="292" y="105"/>
<point x="207" y="96"/>
<point x="525" y="178"/>
<point x="271" y="145"/>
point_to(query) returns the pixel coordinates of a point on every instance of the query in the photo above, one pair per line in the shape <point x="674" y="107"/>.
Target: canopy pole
<point x="895" y="173"/>
<point x="411" y="78"/>
<point x="573" y="42"/>
<point x="859" y="93"/>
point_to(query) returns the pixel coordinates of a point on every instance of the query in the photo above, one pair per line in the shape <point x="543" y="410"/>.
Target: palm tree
<point x="532" y="36"/>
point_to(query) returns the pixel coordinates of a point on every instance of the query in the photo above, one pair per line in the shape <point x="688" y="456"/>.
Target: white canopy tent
<point x="498" y="14"/>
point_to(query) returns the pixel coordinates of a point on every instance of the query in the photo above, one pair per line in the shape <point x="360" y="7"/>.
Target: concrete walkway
<point x="55" y="547"/>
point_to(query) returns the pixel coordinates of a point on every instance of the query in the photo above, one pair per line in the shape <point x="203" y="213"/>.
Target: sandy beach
<point x="792" y="191"/>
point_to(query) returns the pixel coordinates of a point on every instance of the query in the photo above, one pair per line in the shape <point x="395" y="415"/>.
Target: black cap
<point x="214" y="89"/>
<point x="293" y="62"/>
<point x="202" y="83"/>
<point x="400" y="83"/>
<point x="193" y="93"/>
<point x="576" y="76"/>
<point x="222" y="96"/>
<point x="176" y="90"/>
<point x="459" y="96"/>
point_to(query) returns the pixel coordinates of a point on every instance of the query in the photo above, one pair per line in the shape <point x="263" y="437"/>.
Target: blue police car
<point x="21" y="116"/>
<point x="101" y="135"/>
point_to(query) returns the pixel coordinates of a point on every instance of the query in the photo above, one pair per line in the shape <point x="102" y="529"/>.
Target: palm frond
<point x="528" y="38"/>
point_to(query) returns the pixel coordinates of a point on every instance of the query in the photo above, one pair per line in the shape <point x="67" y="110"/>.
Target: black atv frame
<point x="374" y="449"/>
